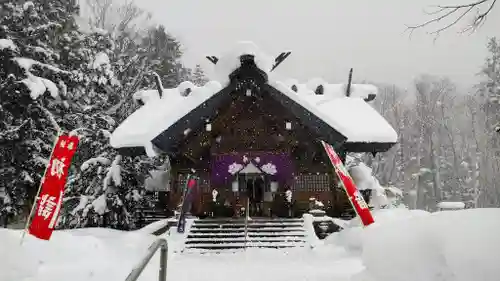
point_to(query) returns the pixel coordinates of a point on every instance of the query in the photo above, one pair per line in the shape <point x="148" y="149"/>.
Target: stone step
<point x="242" y="230"/>
<point x="240" y="220"/>
<point x="242" y="240"/>
<point x="253" y="226"/>
<point x="242" y="246"/>
<point x="219" y="234"/>
<point x="251" y="234"/>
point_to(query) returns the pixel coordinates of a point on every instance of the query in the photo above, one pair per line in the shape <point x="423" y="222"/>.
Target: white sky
<point x="327" y="37"/>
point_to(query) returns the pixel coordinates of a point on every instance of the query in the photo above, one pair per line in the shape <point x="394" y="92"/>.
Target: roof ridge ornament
<point x="279" y="59"/>
<point x="349" y="83"/>
<point x="213" y="59"/>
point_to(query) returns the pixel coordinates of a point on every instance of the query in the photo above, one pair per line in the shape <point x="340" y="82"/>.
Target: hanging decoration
<point x="288" y="196"/>
<point x="234" y="168"/>
<point x="277" y="166"/>
<point x="235" y="186"/>
<point x="215" y="193"/>
<point x="269" y="169"/>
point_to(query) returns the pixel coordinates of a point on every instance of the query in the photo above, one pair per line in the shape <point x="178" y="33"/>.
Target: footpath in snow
<point x="401" y="246"/>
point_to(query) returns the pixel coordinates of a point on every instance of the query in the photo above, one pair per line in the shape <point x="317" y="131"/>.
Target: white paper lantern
<point x="234" y="186"/>
<point x="274" y="186"/>
<point x="214" y="195"/>
<point x="288" y="196"/>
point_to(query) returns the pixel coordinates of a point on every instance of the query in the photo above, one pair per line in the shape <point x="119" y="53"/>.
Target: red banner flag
<point x="350" y="188"/>
<point x="52" y="188"/>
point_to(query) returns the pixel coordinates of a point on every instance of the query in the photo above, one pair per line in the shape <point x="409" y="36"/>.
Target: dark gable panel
<point x="194" y="120"/>
<point x="317" y="125"/>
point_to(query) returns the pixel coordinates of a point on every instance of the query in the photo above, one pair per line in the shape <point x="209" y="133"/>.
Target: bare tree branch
<point x="456" y="13"/>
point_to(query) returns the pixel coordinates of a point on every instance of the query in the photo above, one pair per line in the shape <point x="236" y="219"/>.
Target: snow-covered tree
<point x="105" y="188"/>
<point x="489" y="88"/>
<point x="198" y="76"/>
<point x="38" y="57"/>
<point x="56" y="77"/>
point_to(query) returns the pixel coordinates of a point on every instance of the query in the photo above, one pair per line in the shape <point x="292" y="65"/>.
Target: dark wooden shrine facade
<point x="251" y="124"/>
<point x="250" y="116"/>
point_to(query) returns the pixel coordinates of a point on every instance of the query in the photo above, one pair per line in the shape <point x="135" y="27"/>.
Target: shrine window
<point x="311" y="183"/>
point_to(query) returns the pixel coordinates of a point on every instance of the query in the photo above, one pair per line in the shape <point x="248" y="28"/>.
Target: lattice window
<point x="313" y="183"/>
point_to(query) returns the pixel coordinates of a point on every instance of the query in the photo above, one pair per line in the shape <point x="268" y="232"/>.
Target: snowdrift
<point x="105" y="255"/>
<point x="414" y="245"/>
<point x="78" y="255"/>
<point x="402" y="245"/>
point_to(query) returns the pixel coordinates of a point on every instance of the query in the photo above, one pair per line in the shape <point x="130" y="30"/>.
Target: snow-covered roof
<point x="351" y="116"/>
<point x="158" y="114"/>
<point x="229" y="61"/>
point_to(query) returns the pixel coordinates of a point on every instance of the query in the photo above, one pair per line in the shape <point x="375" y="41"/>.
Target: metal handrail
<point x="161" y="244"/>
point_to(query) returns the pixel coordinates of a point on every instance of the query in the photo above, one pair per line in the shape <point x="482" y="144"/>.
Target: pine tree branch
<point x="13" y="130"/>
<point x="135" y="84"/>
<point x="51" y="118"/>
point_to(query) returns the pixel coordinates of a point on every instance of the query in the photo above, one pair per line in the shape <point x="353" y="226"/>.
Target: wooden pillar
<point x="235" y="203"/>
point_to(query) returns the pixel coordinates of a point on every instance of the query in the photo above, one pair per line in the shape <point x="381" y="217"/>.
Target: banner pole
<point x="355" y="198"/>
<point x="181" y="222"/>
<point x="28" y="220"/>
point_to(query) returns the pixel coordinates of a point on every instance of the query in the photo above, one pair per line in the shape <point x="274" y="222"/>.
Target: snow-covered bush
<point x="380" y="197"/>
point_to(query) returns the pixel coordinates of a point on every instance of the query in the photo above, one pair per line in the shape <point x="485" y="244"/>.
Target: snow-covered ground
<point x="401" y="246"/>
<point x="418" y="246"/>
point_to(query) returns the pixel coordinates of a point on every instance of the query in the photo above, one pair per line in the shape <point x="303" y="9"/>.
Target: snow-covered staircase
<point x="227" y="234"/>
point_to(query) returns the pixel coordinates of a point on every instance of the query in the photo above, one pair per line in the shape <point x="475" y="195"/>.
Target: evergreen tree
<point x="163" y="53"/>
<point x="198" y="76"/>
<point x="32" y="80"/>
<point x="53" y="78"/>
<point x="106" y="189"/>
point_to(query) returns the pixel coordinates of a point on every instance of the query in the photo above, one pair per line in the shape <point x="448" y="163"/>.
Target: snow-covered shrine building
<point x="251" y="136"/>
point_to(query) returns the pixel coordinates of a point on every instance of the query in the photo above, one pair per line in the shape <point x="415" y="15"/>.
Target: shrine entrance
<point x="252" y="187"/>
<point x="255" y="188"/>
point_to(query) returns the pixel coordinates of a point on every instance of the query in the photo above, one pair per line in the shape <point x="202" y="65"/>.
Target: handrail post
<point x="163" y="263"/>
<point x="161" y="244"/>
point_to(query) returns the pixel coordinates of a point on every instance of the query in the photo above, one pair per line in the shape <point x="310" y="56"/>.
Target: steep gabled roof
<point x="163" y="122"/>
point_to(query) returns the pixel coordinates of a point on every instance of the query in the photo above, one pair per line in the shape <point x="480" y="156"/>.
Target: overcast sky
<point x="327" y="37"/>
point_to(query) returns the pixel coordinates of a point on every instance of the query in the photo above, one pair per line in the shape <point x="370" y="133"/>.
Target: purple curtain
<point x="277" y="166"/>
